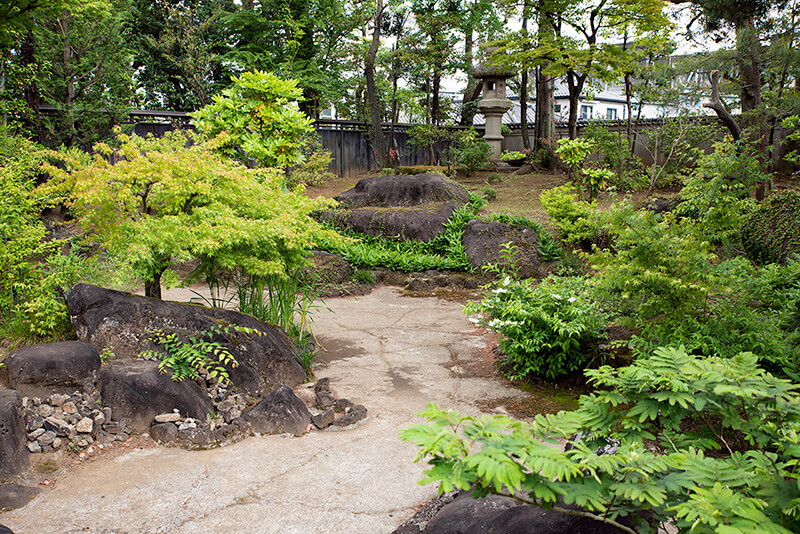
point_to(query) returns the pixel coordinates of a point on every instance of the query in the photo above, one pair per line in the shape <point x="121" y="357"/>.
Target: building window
<point x="557" y="108"/>
<point x="611" y="114"/>
<point x="586" y="112"/>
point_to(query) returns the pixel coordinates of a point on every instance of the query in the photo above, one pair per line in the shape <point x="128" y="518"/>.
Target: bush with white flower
<point x="545" y="328"/>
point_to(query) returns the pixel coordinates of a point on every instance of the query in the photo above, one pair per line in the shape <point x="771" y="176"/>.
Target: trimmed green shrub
<point x="772" y="232"/>
<point x="574" y="217"/>
<point x="544" y="327"/>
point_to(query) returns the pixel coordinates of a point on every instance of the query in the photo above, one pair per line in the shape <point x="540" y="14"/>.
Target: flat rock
<point x="121" y="321"/>
<point x="354" y="415"/>
<point x="137" y="391"/>
<point x="503" y="515"/>
<point x="484" y="242"/>
<point x="40" y="370"/>
<point x="13" y="435"/>
<point x="13" y="496"/>
<point x="403" y="190"/>
<point x="169" y="417"/>
<point x="279" y="412"/>
<point x="418" y="222"/>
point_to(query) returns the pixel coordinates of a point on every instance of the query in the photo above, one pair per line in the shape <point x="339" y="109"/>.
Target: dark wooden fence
<point x="351" y="147"/>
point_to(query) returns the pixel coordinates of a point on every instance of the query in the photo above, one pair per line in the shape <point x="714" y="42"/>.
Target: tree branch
<point x="718" y="106"/>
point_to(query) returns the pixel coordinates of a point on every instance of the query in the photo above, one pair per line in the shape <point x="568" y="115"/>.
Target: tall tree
<point x="85" y="73"/>
<point x="379" y="143"/>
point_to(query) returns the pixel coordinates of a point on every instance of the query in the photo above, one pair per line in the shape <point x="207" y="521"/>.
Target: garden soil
<point x="394" y="354"/>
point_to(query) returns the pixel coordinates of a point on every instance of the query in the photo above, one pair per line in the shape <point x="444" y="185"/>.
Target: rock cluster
<point x="63" y="420"/>
<point x="327" y="410"/>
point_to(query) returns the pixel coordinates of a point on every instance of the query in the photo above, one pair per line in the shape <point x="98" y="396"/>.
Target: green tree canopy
<point x="163" y="202"/>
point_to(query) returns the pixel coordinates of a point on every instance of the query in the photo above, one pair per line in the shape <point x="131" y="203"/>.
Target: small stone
<point x="112" y="427"/>
<point x="56" y="443"/>
<point x="100" y="419"/>
<point x="35" y="423"/>
<point x="355" y="414"/>
<point x="342" y="405"/>
<point x="56" y="425"/>
<point x="57" y="399"/>
<point x="82" y="443"/>
<point x="45" y="410"/>
<point x="74" y="418"/>
<point x="168" y="417"/>
<point x="89" y="438"/>
<point x="90" y="450"/>
<point x="34" y="447"/>
<point x="325" y="399"/>
<point x="47" y="438"/>
<point x="69" y="407"/>
<point x="325" y="419"/>
<point x="33" y="436"/>
<point x="122" y="436"/>
<point x="107" y="412"/>
<point x="164" y="432"/>
<point x="85" y="425"/>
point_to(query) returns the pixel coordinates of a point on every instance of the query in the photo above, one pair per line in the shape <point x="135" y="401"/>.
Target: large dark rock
<point x="403" y="190"/>
<point x="13" y="436"/>
<point x="137" y="391"/>
<point x="503" y="515"/>
<point x="484" y="242"/>
<point x="40" y="370"/>
<point x="121" y="322"/>
<point x="398" y="207"/>
<point x="417" y="222"/>
<point x="280" y="412"/>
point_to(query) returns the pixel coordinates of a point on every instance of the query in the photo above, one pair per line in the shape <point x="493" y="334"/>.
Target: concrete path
<point x="391" y="353"/>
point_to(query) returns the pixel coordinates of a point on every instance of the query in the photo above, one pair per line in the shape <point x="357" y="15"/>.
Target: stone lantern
<point x="494" y="103"/>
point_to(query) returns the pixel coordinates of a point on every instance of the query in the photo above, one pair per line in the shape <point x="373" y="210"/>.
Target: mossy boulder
<point x="772" y="233"/>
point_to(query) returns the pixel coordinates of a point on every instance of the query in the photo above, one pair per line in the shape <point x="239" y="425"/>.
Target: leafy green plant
<point x="575" y="218"/>
<point x="365" y="276"/>
<point x="494" y="178"/>
<point x="472" y="152"/>
<point x="489" y="193"/>
<point x="512" y="155"/>
<point x="257" y="118"/>
<point x="771" y="233"/>
<point x="708" y="445"/>
<point x="164" y="202"/>
<point x="187" y="358"/>
<point x="544" y="327"/>
<point x="656" y="266"/>
<point x="716" y="195"/>
<point x="33" y="272"/>
<point x="313" y="171"/>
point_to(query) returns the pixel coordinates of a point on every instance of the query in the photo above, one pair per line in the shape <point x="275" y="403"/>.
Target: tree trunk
<point x="437" y="82"/>
<point x="379" y="145"/>
<point x="28" y="57"/>
<point x="523" y="90"/>
<point x="152" y="288"/>
<point x="69" y="82"/>
<point x="472" y="90"/>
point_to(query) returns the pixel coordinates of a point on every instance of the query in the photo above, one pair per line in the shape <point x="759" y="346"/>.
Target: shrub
<point x="574" y="217"/>
<point x="472" y="152"/>
<point x="772" y="232"/>
<point x="365" y="276"/>
<point x="700" y="444"/>
<point x="165" y="201"/>
<point x="544" y="327"/>
<point x="33" y="272"/>
<point x="494" y="178"/>
<point x="716" y="196"/>
<point x="257" y="119"/>
<point x="314" y="170"/>
<point x="512" y="155"/>
<point x="489" y="193"/>
<point x="656" y="266"/>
